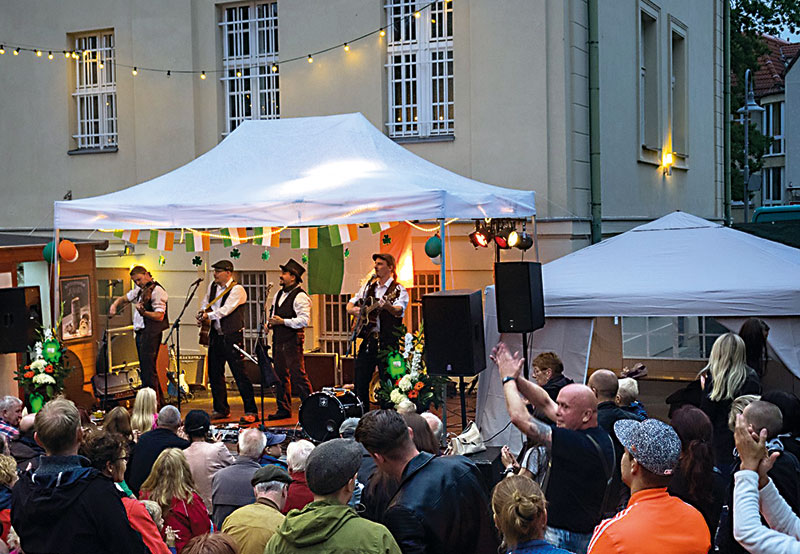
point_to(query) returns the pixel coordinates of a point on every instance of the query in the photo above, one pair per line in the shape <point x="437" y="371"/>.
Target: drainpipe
<point x="726" y="116"/>
<point x="594" y="121"/>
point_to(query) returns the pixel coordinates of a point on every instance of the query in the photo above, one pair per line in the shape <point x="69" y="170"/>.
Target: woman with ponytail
<point x="697" y="481"/>
<point x="520" y="513"/>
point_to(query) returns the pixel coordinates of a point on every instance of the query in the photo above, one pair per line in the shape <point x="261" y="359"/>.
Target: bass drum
<point x="323" y="412"/>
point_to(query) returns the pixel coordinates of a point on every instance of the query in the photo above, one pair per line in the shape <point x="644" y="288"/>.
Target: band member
<point x="380" y="334"/>
<point x="149" y="320"/>
<point x="290" y="314"/>
<point x="225" y="300"/>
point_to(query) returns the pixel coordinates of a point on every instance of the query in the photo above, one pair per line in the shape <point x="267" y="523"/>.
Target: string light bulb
<point x="135" y="71"/>
<point x="310" y="59"/>
<point x="16" y="52"/>
<point x="203" y="75"/>
<point x="169" y="73"/>
<point x="100" y="64"/>
<point x="238" y="73"/>
<point x="383" y="32"/>
<point x="346" y="47"/>
<point x="274" y="68"/>
<point x="66" y="54"/>
<point x="75" y="56"/>
<point x="49" y="55"/>
<point x="38" y="53"/>
<point x="417" y="15"/>
<point x="2" y="49"/>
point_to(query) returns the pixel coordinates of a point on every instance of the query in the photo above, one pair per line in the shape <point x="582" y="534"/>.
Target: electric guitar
<point x="364" y="323"/>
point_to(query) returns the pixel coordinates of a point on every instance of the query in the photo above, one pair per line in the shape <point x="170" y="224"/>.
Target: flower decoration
<point x="44" y="376"/>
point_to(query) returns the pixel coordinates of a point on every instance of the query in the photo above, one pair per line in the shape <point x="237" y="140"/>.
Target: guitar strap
<point x="220" y="295"/>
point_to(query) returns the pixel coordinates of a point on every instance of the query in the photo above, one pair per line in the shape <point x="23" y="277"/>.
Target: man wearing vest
<point x="226" y="299"/>
<point x="290" y="314"/>
<point x="149" y="320"/>
<point x="380" y="336"/>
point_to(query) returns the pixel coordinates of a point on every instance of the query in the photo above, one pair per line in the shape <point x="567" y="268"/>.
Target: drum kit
<point x="324" y="411"/>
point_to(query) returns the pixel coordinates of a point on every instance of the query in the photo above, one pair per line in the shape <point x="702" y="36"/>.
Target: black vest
<point x="282" y="333"/>
<point x="151" y="325"/>
<point x="388" y="322"/>
<point x="234" y="321"/>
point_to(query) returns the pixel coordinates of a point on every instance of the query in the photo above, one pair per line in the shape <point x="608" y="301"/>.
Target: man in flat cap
<point x="289" y="315"/>
<point x="224" y="309"/>
<point x="328" y="524"/>
<point x="253" y="525"/>
<point x="379" y="332"/>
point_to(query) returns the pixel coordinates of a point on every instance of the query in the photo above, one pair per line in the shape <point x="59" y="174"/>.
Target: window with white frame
<point x="425" y="282"/>
<point x="649" y="130"/>
<point x="255" y="285"/>
<point x="335" y="323"/>
<point x="250" y="62"/>
<point x="772" y="119"/>
<point x="772" y="186"/>
<point x="679" y="91"/>
<point x="420" y="68"/>
<point x="669" y="337"/>
<point x="95" y="91"/>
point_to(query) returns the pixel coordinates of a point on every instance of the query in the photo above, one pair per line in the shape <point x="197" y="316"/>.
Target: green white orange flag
<point x="305" y="237"/>
<point x="267" y="235"/>
<point x="397" y="242"/>
<point x="130" y="235"/>
<point x="378" y="227"/>
<point x="161" y="240"/>
<point x="342" y="234"/>
<point x="197" y="241"/>
<point x="233" y="236"/>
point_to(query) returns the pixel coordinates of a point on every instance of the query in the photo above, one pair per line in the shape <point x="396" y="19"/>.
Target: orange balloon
<point x="67" y="251"/>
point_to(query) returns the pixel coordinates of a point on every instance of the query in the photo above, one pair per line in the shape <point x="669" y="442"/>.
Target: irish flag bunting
<point x="304" y="238"/>
<point x="269" y="235"/>
<point x="161" y="240"/>
<point x="233" y="236"/>
<point x="342" y="234"/>
<point x="130" y="235"/>
<point x="378" y="227"/>
<point x="197" y="241"/>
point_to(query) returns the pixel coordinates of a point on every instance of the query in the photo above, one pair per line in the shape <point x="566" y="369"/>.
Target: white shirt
<point x="158" y="299"/>
<point x="782" y="535"/>
<point x="236" y="298"/>
<point x="380" y="290"/>
<point x="301" y="305"/>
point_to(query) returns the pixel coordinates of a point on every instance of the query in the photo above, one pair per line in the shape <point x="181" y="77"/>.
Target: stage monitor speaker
<point x="519" y="296"/>
<point x="453" y="323"/>
<point x="20" y="318"/>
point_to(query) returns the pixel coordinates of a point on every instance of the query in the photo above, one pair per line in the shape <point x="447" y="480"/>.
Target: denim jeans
<point x="568" y="540"/>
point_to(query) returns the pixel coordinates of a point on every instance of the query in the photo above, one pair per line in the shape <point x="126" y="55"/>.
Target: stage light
<point x="501" y="239"/>
<point x="513" y="238"/>
<point x="480" y="237"/>
<point x="524" y="241"/>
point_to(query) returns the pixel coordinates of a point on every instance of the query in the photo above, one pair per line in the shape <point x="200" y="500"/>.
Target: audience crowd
<point x="595" y="474"/>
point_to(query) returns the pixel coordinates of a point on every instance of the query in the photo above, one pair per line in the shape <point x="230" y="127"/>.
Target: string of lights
<point x="203" y="73"/>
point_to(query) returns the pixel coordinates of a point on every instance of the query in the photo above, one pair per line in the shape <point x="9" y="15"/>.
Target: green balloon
<point x="433" y="246"/>
<point x="49" y="251"/>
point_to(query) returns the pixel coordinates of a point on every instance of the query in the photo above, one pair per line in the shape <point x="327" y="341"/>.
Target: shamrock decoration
<point x="235" y="253"/>
<point x="162" y="260"/>
<point x="386" y="239"/>
<point x="197" y="261"/>
<point x="265" y="255"/>
<point x="305" y="258"/>
<point x="346" y="252"/>
<point x="51" y="350"/>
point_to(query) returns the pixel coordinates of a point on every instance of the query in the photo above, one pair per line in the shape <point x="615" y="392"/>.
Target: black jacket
<point x="150" y="445"/>
<point x="441" y="507"/>
<point x="66" y="506"/>
<point x="608" y="413"/>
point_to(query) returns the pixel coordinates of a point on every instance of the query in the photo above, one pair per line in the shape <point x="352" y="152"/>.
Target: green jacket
<point x="323" y="527"/>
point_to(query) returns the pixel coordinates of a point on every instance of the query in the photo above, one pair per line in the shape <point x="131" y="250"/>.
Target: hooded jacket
<point x="323" y="527"/>
<point x="66" y="506"/>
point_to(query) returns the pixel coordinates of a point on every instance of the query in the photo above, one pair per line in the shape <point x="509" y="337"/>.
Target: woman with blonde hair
<point x="170" y="484"/>
<point x="725" y="378"/>
<point x="520" y="513"/>
<point x="145" y="412"/>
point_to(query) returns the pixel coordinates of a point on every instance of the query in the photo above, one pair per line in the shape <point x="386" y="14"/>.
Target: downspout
<point x="726" y="116"/>
<point x="594" y="121"/>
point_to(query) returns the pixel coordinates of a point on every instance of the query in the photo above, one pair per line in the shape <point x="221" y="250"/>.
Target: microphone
<point x="197" y="281"/>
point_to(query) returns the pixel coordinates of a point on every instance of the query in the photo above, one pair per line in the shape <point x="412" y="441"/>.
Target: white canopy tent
<point x="678" y="265"/>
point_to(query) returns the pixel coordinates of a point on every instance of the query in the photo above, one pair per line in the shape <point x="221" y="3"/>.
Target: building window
<point x="250" y="62"/>
<point x="420" y="68"/>
<point x="679" y="89"/>
<point x="649" y="133"/>
<point x="335" y="323"/>
<point x="255" y="285"/>
<point x="773" y="127"/>
<point x="772" y="186"/>
<point x="669" y="337"/>
<point x="425" y="282"/>
<point x="96" y="91"/>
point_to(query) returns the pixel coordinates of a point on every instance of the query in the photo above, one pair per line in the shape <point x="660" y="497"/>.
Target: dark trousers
<point x="290" y="370"/>
<point x="366" y="362"/>
<point x="147" y="344"/>
<point x="220" y="350"/>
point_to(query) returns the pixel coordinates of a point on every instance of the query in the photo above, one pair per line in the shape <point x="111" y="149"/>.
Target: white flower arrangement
<point x="405" y="383"/>
<point x="39" y="364"/>
<point x="43" y="379"/>
<point x="397" y="397"/>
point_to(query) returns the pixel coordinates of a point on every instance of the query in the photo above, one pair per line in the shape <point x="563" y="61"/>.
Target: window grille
<point x="773" y="127"/>
<point x="669" y="337"/>
<point x="335" y="329"/>
<point x="772" y="186"/>
<point x="255" y="285"/>
<point x="420" y="68"/>
<point x="251" y="75"/>
<point x="96" y="91"/>
<point x="424" y="283"/>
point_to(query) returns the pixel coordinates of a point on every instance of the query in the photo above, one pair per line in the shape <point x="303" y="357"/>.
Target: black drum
<point x="323" y="412"/>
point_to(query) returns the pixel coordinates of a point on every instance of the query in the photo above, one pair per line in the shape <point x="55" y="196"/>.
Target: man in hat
<point x="289" y="315"/>
<point x="253" y="525"/>
<point x="378" y="334"/>
<point x="224" y="303"/>
<point x="328" y="524"/>
<point x="654" y="521"/>
<point x="149" y="321"/>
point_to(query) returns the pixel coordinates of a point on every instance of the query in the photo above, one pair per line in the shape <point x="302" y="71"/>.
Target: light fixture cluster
<point x="504" y="234"/>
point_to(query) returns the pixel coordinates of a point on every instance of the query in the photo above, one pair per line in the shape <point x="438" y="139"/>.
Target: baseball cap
<point x="652" y="443"/>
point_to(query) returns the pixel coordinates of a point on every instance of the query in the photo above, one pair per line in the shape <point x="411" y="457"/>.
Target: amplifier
<point x="121" y="386"/>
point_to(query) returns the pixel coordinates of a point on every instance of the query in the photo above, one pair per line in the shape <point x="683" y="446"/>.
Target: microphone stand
<point x="176" y="327"/>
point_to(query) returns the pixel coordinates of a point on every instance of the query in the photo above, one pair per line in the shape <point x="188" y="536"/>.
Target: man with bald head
<point x="581" y="453"/>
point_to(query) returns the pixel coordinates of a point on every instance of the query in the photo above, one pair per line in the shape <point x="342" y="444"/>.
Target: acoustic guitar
<point x="365" y="321"/>
<point x="205" y="323"/>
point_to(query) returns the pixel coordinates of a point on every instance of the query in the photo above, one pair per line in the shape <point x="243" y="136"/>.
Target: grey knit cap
<point x="652" y="443"/>
<point x="331" y="465"/>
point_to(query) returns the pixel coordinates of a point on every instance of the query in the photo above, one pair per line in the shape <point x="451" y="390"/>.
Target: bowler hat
<point x="294" y="268"/>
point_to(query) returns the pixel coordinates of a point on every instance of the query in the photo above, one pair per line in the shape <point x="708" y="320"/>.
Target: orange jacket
<point x="141" y="521"/>
<point x="653" y="523"/>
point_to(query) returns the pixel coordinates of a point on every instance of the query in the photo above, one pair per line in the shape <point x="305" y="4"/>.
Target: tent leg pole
<point x="443" y="286"/>
<point x="56" y="286"/>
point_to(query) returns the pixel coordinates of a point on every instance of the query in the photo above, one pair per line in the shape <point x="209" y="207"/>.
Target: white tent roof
<point x="297" y="172"/>
<point x="678" y="265"/>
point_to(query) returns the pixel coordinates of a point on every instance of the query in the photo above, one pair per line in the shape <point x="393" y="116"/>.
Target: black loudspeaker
<point x="519" y="296"/>
<point x="20" y="318"/>
<point x="453" y="323"/>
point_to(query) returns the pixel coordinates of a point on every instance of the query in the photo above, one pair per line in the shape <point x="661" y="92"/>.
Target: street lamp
<point x="749" y="106"/>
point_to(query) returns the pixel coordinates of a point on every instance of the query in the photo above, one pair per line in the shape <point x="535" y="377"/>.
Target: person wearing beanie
<point x="654" y="522"/>
<point x="328" y="524"/>
<point x="206" y="457"/>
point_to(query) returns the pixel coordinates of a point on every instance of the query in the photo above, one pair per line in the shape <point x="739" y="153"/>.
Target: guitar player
<point x="379" y="333"/>
<point x="225" y="301"/>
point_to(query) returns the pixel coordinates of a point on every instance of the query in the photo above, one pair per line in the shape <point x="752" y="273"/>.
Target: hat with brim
<point x="274" y="438"/>
<point x="386" y="257"/>
<point x="331" y="465"/>
<point x="223" y="265"/>
<point x="269" y="473"/>
<point x="652" y="443"/>
<point x="294" y="268"/>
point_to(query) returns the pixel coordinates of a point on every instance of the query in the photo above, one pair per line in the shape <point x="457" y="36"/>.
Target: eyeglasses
<point x="126" y="458"/>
